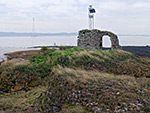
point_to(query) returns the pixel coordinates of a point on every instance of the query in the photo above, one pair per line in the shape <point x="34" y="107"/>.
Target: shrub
<point x="63" y="47"/>
<point x="23" y="77"/>
<point x="44" y="49"/>
<point x="63" y="61"/>
<point x="38" y="60"/>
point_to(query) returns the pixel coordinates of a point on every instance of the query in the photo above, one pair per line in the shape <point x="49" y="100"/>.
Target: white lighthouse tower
<point x="91" y="17"/>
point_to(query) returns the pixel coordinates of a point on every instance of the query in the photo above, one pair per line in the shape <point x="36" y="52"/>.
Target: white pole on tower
<point x="91" y="12"/>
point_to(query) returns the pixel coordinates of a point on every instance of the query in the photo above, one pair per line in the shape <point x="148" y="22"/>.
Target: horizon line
<point x="62" y="33"/>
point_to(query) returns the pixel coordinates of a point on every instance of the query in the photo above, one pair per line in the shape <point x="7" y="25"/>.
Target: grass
<point x="129" y="82"/>
<point x="23" y="73"/>
<point x="116" y="72"/>
<point x="19" y="101"/>
<point x="12" y="63"/>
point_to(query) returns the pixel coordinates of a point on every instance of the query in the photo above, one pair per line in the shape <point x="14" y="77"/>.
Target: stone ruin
<point x="92" y="39"/>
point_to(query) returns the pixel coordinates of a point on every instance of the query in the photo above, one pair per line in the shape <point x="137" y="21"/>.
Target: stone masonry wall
<point x="92" y="39"/>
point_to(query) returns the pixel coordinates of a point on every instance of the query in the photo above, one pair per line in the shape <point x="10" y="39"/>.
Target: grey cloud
<point x="110" y="14"/>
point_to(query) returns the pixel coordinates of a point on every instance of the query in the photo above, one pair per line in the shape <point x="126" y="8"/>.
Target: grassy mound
<point x="29" y="74"/>
<point x="87" y="80"/>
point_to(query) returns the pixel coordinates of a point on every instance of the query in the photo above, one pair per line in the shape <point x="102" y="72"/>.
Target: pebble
<point x="140" y="105"/>
<point x="99" y="110"/>
<point x="107" y="110"/>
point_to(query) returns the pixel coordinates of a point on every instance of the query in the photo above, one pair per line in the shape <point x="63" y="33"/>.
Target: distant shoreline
<point x="15" y="34"/>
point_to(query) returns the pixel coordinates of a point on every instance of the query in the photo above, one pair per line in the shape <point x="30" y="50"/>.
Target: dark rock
<point x="2" y="93"/>
<point x="56" y="109"/>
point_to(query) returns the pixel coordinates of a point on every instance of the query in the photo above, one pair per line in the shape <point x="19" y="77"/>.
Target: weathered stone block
<point x="92" y="39"/>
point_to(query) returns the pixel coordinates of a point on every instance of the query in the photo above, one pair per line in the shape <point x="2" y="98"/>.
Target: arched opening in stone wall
<point x="106" y="42"/>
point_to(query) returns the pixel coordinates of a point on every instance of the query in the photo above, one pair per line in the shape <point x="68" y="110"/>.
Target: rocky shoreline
<point x="139" y="50"/>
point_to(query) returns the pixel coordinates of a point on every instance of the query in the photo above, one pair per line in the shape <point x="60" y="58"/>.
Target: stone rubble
<point x="96" y="97"/>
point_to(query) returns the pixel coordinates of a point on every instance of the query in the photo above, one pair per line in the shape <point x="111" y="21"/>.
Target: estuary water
<point x="11" y="44"/>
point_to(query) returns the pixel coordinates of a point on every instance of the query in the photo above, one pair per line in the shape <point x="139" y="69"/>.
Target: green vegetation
<point x="74" y="69"/>
<point x="117" y="62"/>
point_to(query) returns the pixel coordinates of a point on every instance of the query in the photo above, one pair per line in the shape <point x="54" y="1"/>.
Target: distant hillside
<point x="34" y="34"/>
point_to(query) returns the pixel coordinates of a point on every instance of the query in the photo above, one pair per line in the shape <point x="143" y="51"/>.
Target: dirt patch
<point x="23" y="54"/>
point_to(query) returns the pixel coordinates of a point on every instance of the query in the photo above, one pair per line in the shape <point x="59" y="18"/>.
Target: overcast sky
<point x="119" y="16"/>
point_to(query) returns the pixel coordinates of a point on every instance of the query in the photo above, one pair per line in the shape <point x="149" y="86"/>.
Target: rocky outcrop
<point x="92" y="39"/>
